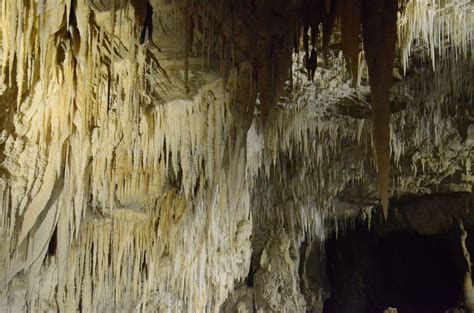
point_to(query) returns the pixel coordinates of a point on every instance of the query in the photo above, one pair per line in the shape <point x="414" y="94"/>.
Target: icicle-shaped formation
<point x="61" y="115"/>
<point x="445" y="27"/>
<point x="298" y="164"/>
<point x="101" y="173"/>
<point x="350" y="31"/>
<point x="312" y="154"/>
<point x="379" y="22"/>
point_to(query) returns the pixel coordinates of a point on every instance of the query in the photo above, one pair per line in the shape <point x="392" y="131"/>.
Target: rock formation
<point x="171" y="156"/>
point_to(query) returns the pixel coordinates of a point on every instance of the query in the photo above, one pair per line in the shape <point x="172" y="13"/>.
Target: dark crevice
<point x="52" y="246"/>
<point x="250" y="277"/>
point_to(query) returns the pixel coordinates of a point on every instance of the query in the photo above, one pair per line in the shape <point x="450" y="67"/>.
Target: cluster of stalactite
<point x="247" y="30"/>
<point x="236" y="32"/>
<point x="99" y="171"/>
<point x="379" y="32"/>
<point x="251" y="32"/>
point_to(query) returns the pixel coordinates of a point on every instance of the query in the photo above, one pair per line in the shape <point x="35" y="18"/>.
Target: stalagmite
<point x="379" y="23"/>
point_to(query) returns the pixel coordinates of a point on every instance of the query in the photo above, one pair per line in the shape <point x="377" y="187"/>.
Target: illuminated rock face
<point x="149" y="176"/>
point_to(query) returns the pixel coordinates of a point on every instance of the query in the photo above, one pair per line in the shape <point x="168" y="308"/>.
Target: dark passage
<point x="369" y="272"/>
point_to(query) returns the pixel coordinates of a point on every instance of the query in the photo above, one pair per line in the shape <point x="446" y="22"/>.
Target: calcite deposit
<point x="172" y="156"/>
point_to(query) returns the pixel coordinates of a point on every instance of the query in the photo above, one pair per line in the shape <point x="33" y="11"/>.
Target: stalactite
<point x="445" y="27"/>
<point x="328" y="25"/>
<point x="312" y="14"/>
<point x="350" y="31"/>
<point x="379" y="23"/>
<point x="109" y="152"/>
<point x="318" y="14"/>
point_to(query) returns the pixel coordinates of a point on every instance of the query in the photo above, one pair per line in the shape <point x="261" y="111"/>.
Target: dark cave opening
<point x="369" y="271"/>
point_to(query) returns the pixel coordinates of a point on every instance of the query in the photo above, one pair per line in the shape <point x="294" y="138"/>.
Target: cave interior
<point x="236" y="156"/>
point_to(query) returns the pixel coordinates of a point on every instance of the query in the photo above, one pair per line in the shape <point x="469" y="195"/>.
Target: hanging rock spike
<point x="379" y="23"/>
<point x="350" y="31"/>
